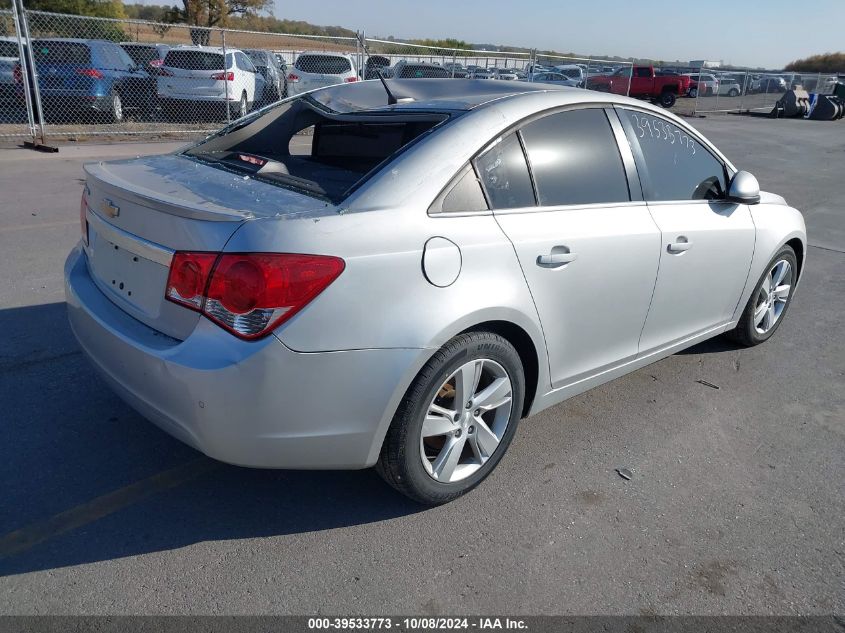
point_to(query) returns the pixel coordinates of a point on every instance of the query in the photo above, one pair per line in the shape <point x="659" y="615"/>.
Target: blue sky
<point x="766" y="33"/>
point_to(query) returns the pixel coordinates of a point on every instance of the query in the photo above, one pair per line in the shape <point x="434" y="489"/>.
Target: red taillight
<point x="349" y="80"/>
<point x="83" y="218"/>
<point x="229" y="76"/>
<point x="293" y="77"/>
<point x="90" y="72"/>
<point x="156" y="63"/>
<point x="17" y="74"/>
<point x="249" y="294"/>
<point x="188" y="278"/>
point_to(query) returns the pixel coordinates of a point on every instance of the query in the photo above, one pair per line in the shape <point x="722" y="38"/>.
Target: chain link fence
<point x="746" y="91"/>
<point x="72" y="76"/>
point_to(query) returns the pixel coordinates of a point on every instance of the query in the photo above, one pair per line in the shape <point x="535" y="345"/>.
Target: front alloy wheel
<point x="456" y="419"/>
<point x="767" y="306"/>
<point x="773" y="295"/>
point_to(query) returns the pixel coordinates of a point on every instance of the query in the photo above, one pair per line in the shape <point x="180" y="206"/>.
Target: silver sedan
<point x="394" y="273"/>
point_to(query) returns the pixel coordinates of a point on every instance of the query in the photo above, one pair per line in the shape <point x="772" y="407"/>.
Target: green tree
<point x="209" y="13"/>
<point x="91" y="8"/>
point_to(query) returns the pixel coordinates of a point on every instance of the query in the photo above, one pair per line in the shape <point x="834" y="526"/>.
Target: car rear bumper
<point x="255" y="404"/>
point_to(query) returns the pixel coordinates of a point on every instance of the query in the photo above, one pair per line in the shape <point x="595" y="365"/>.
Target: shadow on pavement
<point x="66" y="440"/>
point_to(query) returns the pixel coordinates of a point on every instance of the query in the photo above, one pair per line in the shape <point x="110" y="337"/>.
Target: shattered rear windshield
<point x="299" y="145"/>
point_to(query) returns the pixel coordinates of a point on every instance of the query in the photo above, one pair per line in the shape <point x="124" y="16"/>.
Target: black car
<point x="275" y="77"/>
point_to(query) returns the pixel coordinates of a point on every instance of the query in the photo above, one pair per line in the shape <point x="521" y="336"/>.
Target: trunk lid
<point x="141" y="211"/>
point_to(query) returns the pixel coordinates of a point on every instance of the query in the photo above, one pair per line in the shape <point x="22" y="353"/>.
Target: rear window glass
<point x="412" y="71"/>
<point x="275" y="147"/>
<point x="61" y="52"/>
<point x="323" y="64"/>
<point x="8" y="49"/>
<point x="194" y="60"/>
<point x="141" y="55"/>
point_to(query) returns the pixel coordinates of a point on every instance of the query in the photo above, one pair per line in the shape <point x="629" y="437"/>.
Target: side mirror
<point x="744" y="189"/>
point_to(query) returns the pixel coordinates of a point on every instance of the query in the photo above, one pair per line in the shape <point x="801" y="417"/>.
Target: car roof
<point x="205" y="49"/>
<point x="72" y="40"/>
<point x="330" y="53"/>
<point x="438" y="95"/>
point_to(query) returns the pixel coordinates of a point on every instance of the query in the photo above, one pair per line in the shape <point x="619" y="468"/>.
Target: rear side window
<point x="323" y="64"/>
<point x="47" y="52"/>
<point x="574" y="159"/>
<point x="504" y="174"/>
<point x="194" y="60"/>
<point x="672" y="164"/>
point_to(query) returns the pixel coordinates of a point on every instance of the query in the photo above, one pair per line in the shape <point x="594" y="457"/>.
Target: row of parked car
<point x="109" y="79"/>
<point x="78" y="76"/>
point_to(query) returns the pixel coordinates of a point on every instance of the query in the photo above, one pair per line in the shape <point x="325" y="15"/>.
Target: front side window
<point x="575" y="159"/>
<point x="504" y="174"/>
<point x="674" y="165"/>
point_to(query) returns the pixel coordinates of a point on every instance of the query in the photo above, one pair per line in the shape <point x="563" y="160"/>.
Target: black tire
<point x="667" y="99"/>
<point x="745" y="332"/>
<point x="733" y="92"/>
<point x="693" y="92"/>
<point x="239" y="109"/>
<point x="400" y="463"/>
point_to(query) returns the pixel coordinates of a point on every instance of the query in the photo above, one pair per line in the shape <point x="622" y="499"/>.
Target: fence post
<point x="454" y="61"/>
<point x="24" y="72"/>
<point x="225" y="76"/>
<point x="30" y="58"/>
<point x="742" y="92"/>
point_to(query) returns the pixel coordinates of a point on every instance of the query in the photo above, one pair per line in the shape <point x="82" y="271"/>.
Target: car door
<point x="245" y="77"/>
<point x="706" y="242"/>
<point x="588" y="251"/>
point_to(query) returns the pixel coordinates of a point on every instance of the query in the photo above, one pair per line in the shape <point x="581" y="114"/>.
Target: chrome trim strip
<point x="132" y="243"/>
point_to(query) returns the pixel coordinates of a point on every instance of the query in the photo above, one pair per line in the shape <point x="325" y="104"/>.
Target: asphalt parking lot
<point x="736" y="504"/>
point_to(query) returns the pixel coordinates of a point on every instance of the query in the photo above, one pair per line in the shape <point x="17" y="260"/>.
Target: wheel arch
<point x="513" y="326"/>
<point x="525" y="347"/>
<point x="797" y="245"/>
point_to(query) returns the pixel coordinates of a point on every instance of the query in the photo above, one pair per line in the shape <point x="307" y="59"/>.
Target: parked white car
<point x="707" y="84"/>
<point x="572" y="71"/>
<point x="315" y="69"/>
<point x="198" y="74"/>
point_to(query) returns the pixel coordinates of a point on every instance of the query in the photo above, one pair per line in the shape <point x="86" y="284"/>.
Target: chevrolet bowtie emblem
<point x="110" y="209"/>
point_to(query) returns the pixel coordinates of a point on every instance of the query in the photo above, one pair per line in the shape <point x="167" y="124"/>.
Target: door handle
<point x="559" y="257"/>
<point x="679" y="246"/>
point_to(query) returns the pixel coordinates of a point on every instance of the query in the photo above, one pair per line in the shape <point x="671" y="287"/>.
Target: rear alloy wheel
<point x="116" y="109"/>
<point x="767" y="306"/>
<point x="733" y="92"/>
<point x="456" y="421"/>
<point x="667" y="99"/>
<point x="693" y="92"/>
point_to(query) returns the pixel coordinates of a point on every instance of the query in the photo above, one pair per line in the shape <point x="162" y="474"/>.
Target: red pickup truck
<point x="645" y="84"/>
